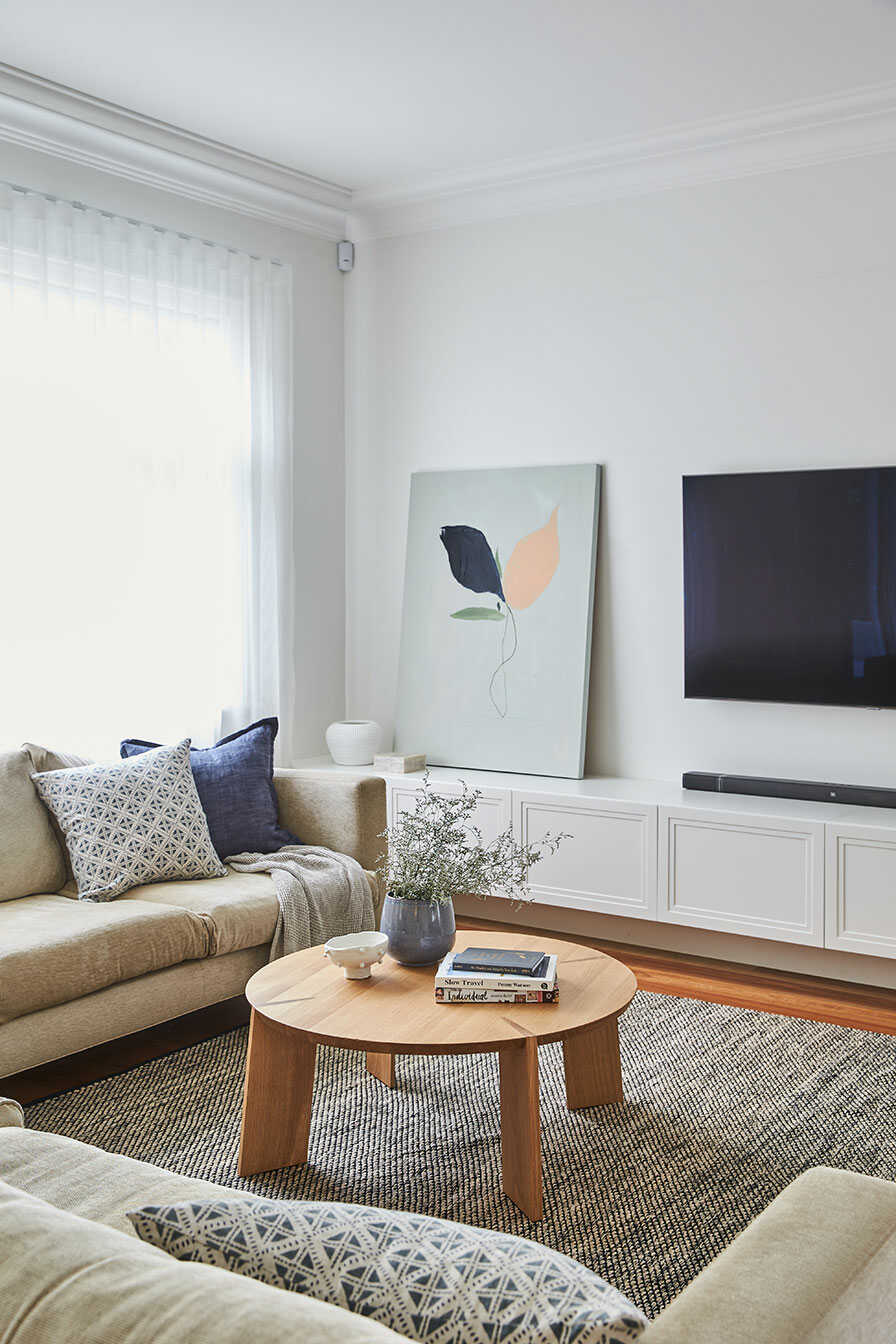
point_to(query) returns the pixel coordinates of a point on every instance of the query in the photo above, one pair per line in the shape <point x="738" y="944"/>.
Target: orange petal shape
<point x="531" y="565"/>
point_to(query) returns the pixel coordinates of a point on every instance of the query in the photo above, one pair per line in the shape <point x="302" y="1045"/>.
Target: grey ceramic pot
<point x="420" y="933"/>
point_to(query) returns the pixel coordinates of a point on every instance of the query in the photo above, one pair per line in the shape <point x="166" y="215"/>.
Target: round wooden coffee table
<point x="303" y="1001"/>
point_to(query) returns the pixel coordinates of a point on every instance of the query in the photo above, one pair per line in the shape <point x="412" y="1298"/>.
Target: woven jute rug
<point x="724" y="1107"/>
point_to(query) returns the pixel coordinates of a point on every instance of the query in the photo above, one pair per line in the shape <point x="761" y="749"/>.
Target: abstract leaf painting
<point x="495" y="654"/>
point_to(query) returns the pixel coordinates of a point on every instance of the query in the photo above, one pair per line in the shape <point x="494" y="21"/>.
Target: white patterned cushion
<point x="427" y="1279"/>
<point x="126" y="824"/>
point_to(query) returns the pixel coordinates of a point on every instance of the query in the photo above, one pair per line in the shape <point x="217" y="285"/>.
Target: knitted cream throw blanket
<point x="321" y="895"/>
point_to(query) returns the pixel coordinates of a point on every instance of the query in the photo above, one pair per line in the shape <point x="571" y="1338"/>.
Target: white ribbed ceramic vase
<point x="353" y="741"/>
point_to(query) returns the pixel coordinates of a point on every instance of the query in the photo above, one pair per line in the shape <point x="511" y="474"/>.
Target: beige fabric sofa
<point x="70" y="1273"/>
<point x="817" y="1267"/>
<point x="76" y="973"/>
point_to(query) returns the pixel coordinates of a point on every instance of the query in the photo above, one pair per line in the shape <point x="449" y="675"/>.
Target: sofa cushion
<point x="43" y="759"/>
<point x="92" y="1183"/>
<point x="435" y="1281"/>
<point x="136" y="822"/>
<point x="30" y="857"/>
<point x="240" y="910"/>
<point x="132" y="1005"/>
<point x="63" y="1278"/>
<point x="235" y="779"/>
<point x="53" y="949"/>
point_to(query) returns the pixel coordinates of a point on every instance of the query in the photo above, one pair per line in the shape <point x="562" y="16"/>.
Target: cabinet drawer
<point x="860" y="898"/>
<point x="763" y="877"/>
<point x="608" y="864"/>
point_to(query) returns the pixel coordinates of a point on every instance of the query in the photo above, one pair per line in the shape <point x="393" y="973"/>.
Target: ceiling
<point x="368" y="93"/>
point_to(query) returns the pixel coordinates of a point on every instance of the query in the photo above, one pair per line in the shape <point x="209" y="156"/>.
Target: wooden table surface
<point x="395" y="1012"/>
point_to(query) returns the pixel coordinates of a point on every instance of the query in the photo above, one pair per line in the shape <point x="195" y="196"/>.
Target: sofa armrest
<point x="796" y="1266"/>
<point x="11" y="1113"/>
<point x="342" y="813"/>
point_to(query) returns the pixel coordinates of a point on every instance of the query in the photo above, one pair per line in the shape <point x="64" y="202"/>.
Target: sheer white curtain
<point x="147" y="525"/>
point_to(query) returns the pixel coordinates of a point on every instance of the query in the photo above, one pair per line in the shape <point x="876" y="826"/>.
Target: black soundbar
<point x="858" y="795"/>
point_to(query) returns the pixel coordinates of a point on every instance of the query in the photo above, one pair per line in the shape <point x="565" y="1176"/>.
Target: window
<point x="146" y="443"/>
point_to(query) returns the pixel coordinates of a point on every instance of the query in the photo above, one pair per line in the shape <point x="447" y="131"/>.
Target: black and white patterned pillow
<point x="425" y="1278"/>
<point x="127" y="824"/>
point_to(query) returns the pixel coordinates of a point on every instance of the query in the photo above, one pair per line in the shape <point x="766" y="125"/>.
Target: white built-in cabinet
<point x="790" y="871"/>
<point x="810" y="873"/>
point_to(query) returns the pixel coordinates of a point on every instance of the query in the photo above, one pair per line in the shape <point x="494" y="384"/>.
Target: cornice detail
<point x="40" y="115"/>
<point x="794" y="135"/>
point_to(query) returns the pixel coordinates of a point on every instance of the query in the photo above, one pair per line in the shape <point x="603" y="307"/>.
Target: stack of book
<point x="497" y="975"/>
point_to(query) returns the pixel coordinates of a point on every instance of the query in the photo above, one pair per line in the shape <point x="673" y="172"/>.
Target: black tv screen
<point x="790" y="586"/>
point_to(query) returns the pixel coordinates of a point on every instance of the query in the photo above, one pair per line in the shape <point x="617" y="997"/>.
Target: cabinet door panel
<point x="607" y="864"/>
<point x="763" y="877"/>
<point x="860" y="898"/>
<point x="492" y="814"/>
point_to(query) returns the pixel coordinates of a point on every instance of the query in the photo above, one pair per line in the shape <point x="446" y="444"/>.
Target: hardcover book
<point x="454" y="995"/>
<point x="448" y="978"/>
<point x="499" y="960"/>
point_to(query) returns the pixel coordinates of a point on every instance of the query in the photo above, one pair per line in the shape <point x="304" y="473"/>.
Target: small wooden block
<point x="382" y="1067"/>
<point x="399" y="765"/>
<point x="592" y="1066"/>
<point x="276" y="1097"/>
<point x="521" y="1127"/>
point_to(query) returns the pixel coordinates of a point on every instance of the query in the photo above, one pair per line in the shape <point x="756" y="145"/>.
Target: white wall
<point x="319" y="409"/>
<point x="733" y="326"/>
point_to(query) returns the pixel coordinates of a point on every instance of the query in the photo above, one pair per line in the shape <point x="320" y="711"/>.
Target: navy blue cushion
<point x="235" y="783"/>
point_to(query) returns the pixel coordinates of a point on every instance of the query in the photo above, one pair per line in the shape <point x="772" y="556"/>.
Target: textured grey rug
<point x="724" y="1107"/>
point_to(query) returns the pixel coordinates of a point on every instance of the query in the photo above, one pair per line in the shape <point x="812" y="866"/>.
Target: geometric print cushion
<point x="127" y="824"/>
<point x="427" y="1279"/>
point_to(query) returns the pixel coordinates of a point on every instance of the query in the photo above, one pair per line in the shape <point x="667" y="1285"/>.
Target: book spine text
<point x="503" y="983"/>
<point x="497" y="996"/>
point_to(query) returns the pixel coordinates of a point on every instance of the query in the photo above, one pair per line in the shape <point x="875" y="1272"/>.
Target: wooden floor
<point x="663" y="972"/>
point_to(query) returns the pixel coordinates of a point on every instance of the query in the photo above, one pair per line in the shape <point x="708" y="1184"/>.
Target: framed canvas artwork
<point x="496" y="629"/>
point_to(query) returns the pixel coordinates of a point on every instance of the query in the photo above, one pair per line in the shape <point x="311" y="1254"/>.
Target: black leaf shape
<point x="471" y="560"/>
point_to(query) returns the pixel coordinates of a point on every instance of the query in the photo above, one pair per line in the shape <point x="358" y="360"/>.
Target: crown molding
<point x="848" y="125"/>
<point x="38" y="114"/>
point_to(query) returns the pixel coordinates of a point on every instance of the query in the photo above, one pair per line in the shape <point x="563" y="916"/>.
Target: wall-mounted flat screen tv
<point x="790" y="586"/>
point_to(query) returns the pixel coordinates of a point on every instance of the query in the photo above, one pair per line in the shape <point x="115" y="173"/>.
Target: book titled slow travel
<point x="499" y="960"/>
<point x="449" y="978"/>
<point x="465" y="994"/>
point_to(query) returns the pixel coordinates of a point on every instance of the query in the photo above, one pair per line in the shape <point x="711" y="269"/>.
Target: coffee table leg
<point x="521" y="1127"/>
<point x="382" y="1067"/>
<point x="592" y="1067"/>
<point x="276" y="1097"/>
